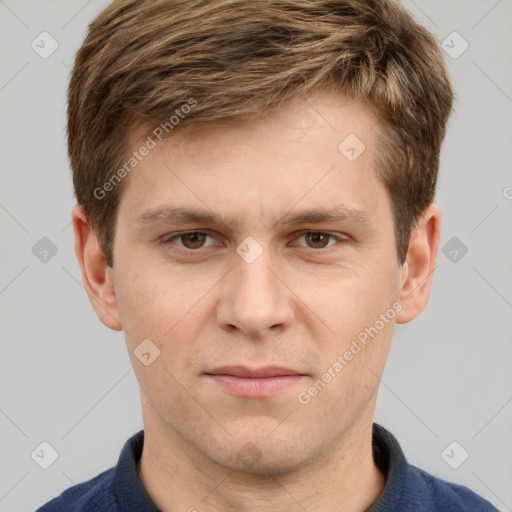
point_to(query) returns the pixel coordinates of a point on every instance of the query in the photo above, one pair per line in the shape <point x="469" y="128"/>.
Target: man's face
<point x="256" y="291"/>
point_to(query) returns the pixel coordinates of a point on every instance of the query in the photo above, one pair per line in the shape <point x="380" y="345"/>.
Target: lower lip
<point x="256" y="387"/>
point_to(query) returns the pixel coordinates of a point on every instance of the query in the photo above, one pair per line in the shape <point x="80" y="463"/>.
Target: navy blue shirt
<point x="407" y="489"/>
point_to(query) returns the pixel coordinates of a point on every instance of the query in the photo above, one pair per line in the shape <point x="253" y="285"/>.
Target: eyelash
<point x="338" y="238"/>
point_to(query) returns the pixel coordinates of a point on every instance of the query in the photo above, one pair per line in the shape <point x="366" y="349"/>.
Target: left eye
<point x="319" y="239"/>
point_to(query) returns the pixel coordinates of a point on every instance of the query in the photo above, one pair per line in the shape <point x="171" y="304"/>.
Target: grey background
<point x="67" y="380"/>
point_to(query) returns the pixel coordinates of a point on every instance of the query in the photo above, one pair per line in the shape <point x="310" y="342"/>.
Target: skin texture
<point x="299" y="304"/>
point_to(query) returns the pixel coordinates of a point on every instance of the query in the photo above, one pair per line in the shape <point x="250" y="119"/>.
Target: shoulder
<point x="116" y="489"/>
<point x="427" y="492"/>
<point x="411" y="489"/>
<point x="89" y="496"/>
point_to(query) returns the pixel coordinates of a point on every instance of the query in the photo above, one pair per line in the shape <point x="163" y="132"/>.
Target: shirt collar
<point x="126" y="484"/>
<point x="390" y="459"/>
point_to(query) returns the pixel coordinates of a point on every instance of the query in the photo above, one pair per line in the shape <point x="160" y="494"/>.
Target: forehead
<point x="315" y="151"/>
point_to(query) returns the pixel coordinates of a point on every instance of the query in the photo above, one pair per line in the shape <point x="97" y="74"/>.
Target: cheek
<point x="152" y="299"/>
<point x="140" y="307"/>
<point x="164" y="307"/>
<point x="357" y="351"/>
<point x="355" y="302"/>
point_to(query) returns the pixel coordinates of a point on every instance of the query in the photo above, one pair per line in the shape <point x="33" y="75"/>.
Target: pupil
<point x="193" y="239"/>
<point x="318" y="238"/>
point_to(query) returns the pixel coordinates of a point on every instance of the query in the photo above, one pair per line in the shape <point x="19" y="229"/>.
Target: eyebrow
<point x="173" y="215"/>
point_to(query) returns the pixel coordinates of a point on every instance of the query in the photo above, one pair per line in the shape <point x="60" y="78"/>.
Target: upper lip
<point x="243" y="371"/>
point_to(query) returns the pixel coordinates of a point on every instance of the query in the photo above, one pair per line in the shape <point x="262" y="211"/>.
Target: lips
<point x="246" y="382"/>
<point x="255" y="373"/>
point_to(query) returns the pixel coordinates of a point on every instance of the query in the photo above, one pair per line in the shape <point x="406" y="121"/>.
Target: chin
<point x="267" y="464"/>
<point x="264" y="456"/>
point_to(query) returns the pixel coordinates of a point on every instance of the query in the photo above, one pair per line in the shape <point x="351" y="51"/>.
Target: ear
<point x="418" y="268"/>
<point x="96" y="274"/>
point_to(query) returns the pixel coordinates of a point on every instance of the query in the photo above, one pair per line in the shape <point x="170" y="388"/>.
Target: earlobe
<point x="96" y="274"/>
<point x="418" y="269"/>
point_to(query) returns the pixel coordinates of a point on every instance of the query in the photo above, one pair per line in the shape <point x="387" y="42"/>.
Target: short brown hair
<point x="142" y="59"/>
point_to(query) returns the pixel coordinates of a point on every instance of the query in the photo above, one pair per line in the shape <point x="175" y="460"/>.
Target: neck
<point x="177" y="478"/>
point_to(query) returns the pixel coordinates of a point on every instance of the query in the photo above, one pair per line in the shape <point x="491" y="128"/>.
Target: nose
<point x="255" y="298"/>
